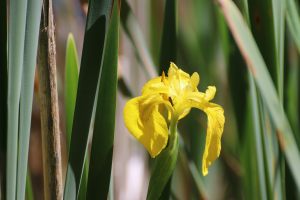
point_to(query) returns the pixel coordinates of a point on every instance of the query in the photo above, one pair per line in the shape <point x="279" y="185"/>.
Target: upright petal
<point x="210" y="93"/>
<point x="215" y="126"/>
<point x="146" y="123"/>
<point x="155" y="86"/>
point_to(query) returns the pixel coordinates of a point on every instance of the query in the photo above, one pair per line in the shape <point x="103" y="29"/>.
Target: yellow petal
<point x="156" y="86"/>
<point x="215" y="126"/>
<point x="146" y="123"/>
<point x="195" y="79"/>
<point x="210" y="93"/>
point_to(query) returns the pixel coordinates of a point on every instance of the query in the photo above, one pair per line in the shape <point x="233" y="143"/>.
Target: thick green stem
<point x="173" y="137"/>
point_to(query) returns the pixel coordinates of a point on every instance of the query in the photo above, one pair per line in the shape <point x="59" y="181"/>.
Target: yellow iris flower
<point x="169" y="99"/>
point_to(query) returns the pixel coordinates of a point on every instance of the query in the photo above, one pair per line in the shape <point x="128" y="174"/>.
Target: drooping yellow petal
<point x="146" y="123"/>
<point x="215" y="126"/>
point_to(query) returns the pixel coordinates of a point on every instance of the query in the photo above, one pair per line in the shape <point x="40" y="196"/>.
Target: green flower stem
<point x="160" y="181"/>
<point x="173" y="136"/>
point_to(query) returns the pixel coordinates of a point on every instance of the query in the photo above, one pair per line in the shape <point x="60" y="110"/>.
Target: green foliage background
<point x="248" y="49"/>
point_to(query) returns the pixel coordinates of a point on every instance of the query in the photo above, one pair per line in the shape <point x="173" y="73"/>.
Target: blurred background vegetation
<point x="258" y="159"/>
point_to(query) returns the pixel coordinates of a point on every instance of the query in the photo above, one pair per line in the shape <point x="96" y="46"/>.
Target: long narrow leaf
<point x="96" y="26"/>
<point x="71" y="82"/>
<point x="263" y="80"/>
<point x="30" y="52"/>
<point x="279" y="11"/>
<point x="29" y="189"/>
<point x="258" y="140"/>
<point x="262" y="27"/>
<point x="3" y="93"/>
<point x="16" y="38"/>
<point x="103" y="137"/>
<point x="293" y="21"/>
<point x="168" y="48"/>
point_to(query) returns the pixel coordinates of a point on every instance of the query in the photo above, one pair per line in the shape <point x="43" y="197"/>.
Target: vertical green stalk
<point x="17" y="21"/>
<point x="164" y="165"/>
<point x="3" y="93"/>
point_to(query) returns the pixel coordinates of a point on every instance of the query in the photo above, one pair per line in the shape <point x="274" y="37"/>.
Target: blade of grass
<point x="292" y="106"/>
<point x="29" y="191"/>
<point x="258" y="141"/>
<point x="293" y="21"/>
<point x="155" y="26"/>
<point x="33" y="18"/>
<point x="262" y="27"/>
<point x="258" y="69"/>
<point x="168" y="47"/>
<point x="248" y="158"/>
<point x="292" y="91"/>
<point x="3" y="94"/>
<point x="16" y="38"/>
<point x="95" y="33"/>
<point x="279" y="11"/>
<point x="71" y="83"/>
<point x="267" y="19"/>
<point x="103" y="136"/>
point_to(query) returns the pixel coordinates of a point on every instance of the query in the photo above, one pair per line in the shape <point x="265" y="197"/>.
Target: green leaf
<point x="163" y="168"/>
<point x="292" y="90"/>
<point x="267" y="25"/>
<point x="258" y="69"/>
<point x="262" y="27"/>
<point x="103" y="136"/>
<point x="259" y="149"/>
<point x="3" y="91"/>
<point x="33" y="18"/>
<point x="168" y="47"/>
<point x="96" y="25"/>
<point x="293" y="21"/>
<point x="29" y="191"/>
<point x="279" y="11"/>
<point x="16" y="40"/>
<point x="71" y="82"/>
